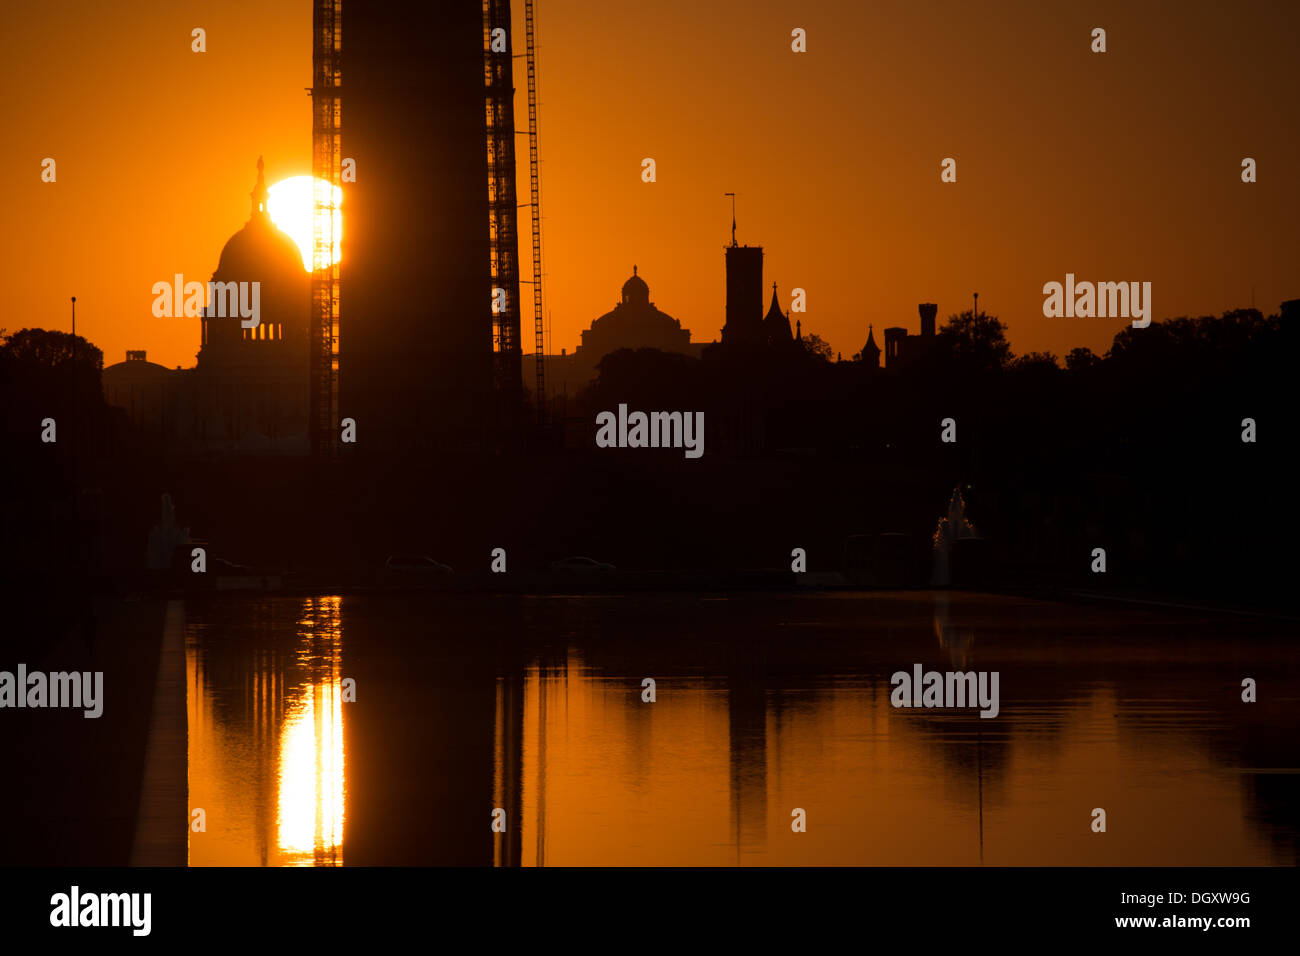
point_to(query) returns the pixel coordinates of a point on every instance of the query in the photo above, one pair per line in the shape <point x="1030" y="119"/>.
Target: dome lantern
<point x="260" y="192"/>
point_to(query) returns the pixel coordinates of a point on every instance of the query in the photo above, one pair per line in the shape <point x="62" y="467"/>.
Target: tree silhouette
<point x="643" y="378"/>
<point x="41" y="348"/>
<point x="978" y="341"/>
<point x="1078" y="359"/>
<point x="38" y="371"/>
<point x="1036" y="360"/>
<point x="817" y="347"/>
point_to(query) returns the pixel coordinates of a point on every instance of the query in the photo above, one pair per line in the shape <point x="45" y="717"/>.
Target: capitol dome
<point x="260" y="250"/>
<point x="260" y="253"/>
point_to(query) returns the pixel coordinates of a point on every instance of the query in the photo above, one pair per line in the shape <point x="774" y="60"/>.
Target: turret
<point x="776" y="324"/>
<point x="871" y="351"/>
<point x="928" y="311"/>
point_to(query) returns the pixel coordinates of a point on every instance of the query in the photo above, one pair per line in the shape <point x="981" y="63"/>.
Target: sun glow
<point x="311" y="798"/>
<point x="291" y="203"/>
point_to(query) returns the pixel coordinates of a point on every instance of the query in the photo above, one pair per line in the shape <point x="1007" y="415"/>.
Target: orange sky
<point x="1118" y="166"/>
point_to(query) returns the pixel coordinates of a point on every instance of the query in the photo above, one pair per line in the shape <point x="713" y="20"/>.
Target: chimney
<point x="928" y="311"/>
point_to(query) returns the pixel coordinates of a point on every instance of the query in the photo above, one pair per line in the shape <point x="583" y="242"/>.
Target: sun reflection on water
<point x="266" y="754"/>
<point x="310" y="807"/>
<point x="311" y="779"/>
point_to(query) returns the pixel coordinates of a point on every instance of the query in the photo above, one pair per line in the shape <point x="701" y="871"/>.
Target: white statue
<point x="165" y="537"/>
<point x="949" y="530"/>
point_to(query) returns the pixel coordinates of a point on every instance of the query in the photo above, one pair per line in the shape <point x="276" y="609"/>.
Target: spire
<point x="798" y="330"/>
<point x="776" y="324"/>
<point x="871" y="351"/>
<point x="259" y="192"/>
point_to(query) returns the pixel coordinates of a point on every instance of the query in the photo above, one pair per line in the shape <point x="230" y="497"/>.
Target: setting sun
<point x="291" y="202"/>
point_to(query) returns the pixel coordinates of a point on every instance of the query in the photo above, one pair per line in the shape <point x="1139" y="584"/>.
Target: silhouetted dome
<point x="635" y="291"/>
<point x="258" y="251"/>
<point x="634" y="323"/>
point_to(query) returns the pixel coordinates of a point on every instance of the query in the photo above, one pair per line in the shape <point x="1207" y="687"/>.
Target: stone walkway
<point x="162" y="825"/>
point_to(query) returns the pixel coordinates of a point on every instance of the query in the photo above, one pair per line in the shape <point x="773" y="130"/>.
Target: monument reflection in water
<point x="766" y="703"/>
<point x="266" y="760"/>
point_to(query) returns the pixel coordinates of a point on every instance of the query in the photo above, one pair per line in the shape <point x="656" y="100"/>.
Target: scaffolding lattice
<point x="326" y="163"/>
<point x="535" y="195"/>
<point x="503" y="206"/>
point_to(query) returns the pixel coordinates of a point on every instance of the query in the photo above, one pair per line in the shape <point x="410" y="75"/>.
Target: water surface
<point x="764" y="704"/>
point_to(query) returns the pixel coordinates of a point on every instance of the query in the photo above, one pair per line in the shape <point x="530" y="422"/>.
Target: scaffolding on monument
<point x="503" y="206"/>
<point x="326" y="168"/>
<point x="535" y="190"/>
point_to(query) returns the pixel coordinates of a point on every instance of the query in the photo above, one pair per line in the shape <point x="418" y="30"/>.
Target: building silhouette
<point x="248" y="392"/>
<point x="430" y="238"/>
<point x="746" y="325"/>
<point x="634" y="323"/>
<point x="744" y="320"/>
<point x="776" y="325"/>
<point x="871" y="351"/>
<point x="147" y="391"/>
<point x="416" y="323"/>
<point x="250" y="386"/>
<point x="901" y="348"/>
